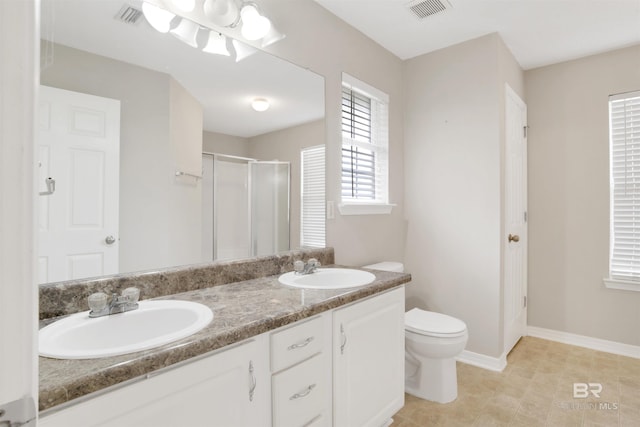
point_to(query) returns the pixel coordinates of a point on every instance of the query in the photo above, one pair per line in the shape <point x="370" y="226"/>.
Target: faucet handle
<point x="314" y="262"/>
<point x="97" y="301"/>
<point x="131" y="295"/>
<point x="298" y="266"/>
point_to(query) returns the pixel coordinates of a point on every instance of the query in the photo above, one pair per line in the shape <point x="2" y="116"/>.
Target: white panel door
<point x="515" y="262"/>
<point x="78" y="143"/>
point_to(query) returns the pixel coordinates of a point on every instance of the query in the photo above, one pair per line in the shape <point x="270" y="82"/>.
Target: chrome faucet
<point x="300" y="267"/>
<point x="119" y="303"/>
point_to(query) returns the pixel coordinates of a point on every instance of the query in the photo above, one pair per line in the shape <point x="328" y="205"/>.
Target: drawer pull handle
<point x="303" y="393"/>
<point x="300" y="344"/>
<point x="252" y="381"/>
<point x="344" y="339"/>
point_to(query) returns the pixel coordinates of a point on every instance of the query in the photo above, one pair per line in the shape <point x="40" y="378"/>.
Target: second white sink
<point x="153" y="324"/>
<point x="328" y="278"/>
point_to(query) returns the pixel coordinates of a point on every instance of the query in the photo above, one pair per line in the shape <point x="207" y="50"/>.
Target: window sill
<point x="365" y="208"/>
<point x="625" y="285"/>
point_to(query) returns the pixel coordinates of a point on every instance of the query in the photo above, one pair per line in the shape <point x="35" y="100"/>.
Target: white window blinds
<point x="624" y="125"/>
<point x="312" y="227"/>
<point x="365" y="117"/>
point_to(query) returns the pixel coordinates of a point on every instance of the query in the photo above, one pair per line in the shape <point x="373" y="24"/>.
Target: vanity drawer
<point x="295" y="344"/>
<point x="300" y="394"/>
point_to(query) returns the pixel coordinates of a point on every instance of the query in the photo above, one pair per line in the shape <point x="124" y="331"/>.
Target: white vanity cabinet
<point x="342" y="368"/>
<point x="229" y="388"/>
<point x="301" y="366"/>
<point x="368" y="360"/>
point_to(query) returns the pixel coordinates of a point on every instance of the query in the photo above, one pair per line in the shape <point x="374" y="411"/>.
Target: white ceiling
<point x="538" y="32"/>
<point x="224" y="87"/>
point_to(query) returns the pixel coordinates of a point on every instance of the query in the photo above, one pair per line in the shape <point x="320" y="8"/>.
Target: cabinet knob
<point x="514" y="238"/>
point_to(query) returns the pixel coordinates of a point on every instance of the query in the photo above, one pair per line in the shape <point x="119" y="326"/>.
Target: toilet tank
<point x="395" y="267"/>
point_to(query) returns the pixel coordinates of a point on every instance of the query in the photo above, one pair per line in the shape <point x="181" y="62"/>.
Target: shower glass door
<point x="245" y="207"/>
<point x="269" y="207"/>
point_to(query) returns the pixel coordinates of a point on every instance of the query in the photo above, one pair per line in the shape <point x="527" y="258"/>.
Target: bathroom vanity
<point x="273" y="355"/>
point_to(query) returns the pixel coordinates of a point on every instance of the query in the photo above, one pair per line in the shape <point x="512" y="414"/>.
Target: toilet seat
<point x="433" y="324"/>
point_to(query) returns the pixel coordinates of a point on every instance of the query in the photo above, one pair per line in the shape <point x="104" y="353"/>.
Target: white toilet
<point x="432" y="342"/>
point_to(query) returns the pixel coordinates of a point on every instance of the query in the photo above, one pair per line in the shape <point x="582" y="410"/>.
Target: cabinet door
<point x="368" y="360"/>
<point x="231" y="388"/>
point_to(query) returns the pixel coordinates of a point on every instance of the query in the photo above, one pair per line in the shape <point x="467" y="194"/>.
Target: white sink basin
<point x="328" y="278"/>
<point x="153" y="324"/>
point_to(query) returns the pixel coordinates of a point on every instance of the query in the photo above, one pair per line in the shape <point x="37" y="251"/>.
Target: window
<point x="312" y="231"/>
<point x="624" y="136"/>
<point x="365" y="145"/>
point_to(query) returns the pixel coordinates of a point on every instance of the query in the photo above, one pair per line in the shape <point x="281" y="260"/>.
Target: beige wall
<point x="148" y="202"/>
<point x="320" y="41"/>
<point x="221" y="143"/>
<point x="569" y="197"/>
<point x="185" y="197"/>
<point x="453" y="161"/>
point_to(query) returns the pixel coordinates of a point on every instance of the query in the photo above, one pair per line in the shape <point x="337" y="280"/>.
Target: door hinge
<point x="18" y="413"/>
<point x="525" y="301"/>
<point x="524" y="128"/>
<point x="525" y="216"/>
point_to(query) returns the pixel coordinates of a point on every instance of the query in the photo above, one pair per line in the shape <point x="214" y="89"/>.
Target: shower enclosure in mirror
<point x="245" y="207"/>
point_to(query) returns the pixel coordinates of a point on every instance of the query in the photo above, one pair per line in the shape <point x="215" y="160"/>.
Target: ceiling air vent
<point x="128" y="14"/>
<point x="425" y="8"/>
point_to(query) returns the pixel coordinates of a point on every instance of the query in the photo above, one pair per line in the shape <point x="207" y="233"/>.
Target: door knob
<point x="110" y="240"/>
<point x="514" y="238"/>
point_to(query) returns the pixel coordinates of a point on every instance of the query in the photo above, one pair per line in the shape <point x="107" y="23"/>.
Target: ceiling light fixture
<point x="186" y="31"/>
<point x="254" y="25"/>
<point x="260" y="104"/>
<point x="159" y="19"/>
<point x="217" y="44"/>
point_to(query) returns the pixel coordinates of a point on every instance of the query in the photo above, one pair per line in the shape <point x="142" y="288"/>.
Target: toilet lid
<point x="433" y="324"/>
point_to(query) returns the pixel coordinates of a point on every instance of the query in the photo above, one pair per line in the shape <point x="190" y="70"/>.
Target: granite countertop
<point x="241" y="310"/>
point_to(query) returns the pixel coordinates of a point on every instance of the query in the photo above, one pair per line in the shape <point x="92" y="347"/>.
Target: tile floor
<point x="536" y="389"/>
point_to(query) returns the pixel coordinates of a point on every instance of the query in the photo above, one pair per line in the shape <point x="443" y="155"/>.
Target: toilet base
<point x="435" y="380"/>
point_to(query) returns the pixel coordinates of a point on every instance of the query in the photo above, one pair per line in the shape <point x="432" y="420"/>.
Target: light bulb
<point x="159" y="19"/>
<point x="254" y="25"/>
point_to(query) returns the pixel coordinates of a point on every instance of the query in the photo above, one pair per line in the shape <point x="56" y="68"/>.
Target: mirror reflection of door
<point x="78" y="146"/>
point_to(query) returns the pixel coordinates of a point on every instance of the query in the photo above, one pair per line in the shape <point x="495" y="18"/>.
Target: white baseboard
<point x="584" y="341"/>
<point x="483" y="361"/>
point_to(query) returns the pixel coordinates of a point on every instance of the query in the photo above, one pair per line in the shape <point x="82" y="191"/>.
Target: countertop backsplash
<point x="62" y="298"/>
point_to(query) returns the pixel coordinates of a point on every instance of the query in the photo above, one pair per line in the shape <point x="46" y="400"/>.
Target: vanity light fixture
<point x="254" y="25"/>
<point x="217" y="44"/>
<point x="158" y="18"/>
<point x="223" y="13"/>
<point x="185" y="5"/>
<point x="216" y="15"/>
<point x="272" y="36"/>
<point x="243" y="50"/>
<point x="260" y="104"/>
<point x="186" y="31"/>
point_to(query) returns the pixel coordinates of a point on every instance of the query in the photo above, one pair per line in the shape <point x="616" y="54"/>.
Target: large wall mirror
<point x="138" y="126"/>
